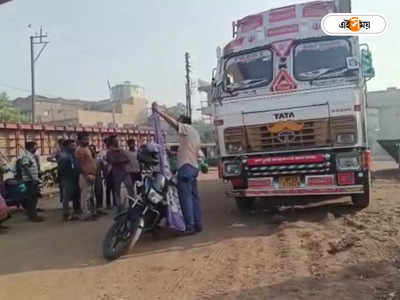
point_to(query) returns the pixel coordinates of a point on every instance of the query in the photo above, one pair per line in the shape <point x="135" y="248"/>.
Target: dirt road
<point x="321" y="252"/>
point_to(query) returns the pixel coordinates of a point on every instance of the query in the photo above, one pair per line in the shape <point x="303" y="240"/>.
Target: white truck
<point x="289" y="108"/>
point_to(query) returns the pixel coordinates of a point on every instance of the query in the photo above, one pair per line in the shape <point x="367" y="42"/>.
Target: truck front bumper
<point x="331" y="190"/>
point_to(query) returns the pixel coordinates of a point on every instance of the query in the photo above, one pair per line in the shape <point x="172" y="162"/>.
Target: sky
<point x="93" y="41"/>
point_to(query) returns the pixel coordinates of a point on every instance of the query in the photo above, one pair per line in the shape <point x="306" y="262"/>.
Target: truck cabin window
<point x="248" y="70"/>
<point x="321" y="59"/>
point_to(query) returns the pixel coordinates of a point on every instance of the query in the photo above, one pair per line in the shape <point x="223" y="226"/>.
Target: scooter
<point x="14" y="192"/>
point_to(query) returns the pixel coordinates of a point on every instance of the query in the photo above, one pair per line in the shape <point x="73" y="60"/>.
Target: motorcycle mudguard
<point x="136" y="212"/>
<point x="121" y="215"/>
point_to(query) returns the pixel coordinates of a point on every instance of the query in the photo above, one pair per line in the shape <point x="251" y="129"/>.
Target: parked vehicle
<point x="146" y="209"/>
<point x="289" y="106"/>
<point x="15" y="189"/>
<point x="15" y="192"/>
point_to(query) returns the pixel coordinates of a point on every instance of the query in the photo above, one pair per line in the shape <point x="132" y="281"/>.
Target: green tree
<point x="7" y="112"/>
<point x="178" y="110"/>
<point x="206" y="131"/>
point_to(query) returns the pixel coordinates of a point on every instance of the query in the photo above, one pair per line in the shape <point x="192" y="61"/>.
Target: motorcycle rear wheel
<point x="122" y="236"/>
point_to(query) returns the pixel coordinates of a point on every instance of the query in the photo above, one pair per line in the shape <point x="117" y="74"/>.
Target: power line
<point x="21" y="89"/>
<point x="13" y="87"/>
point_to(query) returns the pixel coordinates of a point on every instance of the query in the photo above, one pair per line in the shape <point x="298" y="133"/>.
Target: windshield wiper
<point x="253" y="81"/>
<point x="246" y="83"/>
<point x="328" y="71"/>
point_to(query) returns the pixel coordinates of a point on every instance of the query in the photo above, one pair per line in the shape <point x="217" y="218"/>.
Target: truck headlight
<point x="345" y="138"/>
<point x="233" y="168"/>
<point x="347" y="163"/>
<point x="235" y="147"/>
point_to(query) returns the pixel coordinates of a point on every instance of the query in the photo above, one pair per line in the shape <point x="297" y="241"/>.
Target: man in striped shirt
<point x="30" y="176"/>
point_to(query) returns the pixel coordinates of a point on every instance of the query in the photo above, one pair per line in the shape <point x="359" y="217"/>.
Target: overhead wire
<point x="42" y="93"/>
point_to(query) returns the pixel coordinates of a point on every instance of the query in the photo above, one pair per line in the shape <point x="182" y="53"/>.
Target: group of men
<point x="82" y="172"/>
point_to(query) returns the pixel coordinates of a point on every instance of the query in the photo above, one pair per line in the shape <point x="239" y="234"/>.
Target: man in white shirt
<point x="188" y="169"/>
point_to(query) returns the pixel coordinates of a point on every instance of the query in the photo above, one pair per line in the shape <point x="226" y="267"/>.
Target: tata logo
<point x="287" y="137"/>
<point x="284" y="115"/>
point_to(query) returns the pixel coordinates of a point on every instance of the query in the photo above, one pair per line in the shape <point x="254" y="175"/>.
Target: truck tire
<point x="244" y="204"/>
<point x="361" y="201"/>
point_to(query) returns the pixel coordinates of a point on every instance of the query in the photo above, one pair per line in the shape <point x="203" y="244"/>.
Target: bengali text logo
<point x="350" y="24"/>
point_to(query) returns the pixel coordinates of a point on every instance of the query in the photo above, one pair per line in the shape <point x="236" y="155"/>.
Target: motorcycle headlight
<point x="233" y="168"/>
<point x="345" y="138"/>
<point x="147" y="185"/>
<point x="348" y="163"/>
<point x="154" y="197"/>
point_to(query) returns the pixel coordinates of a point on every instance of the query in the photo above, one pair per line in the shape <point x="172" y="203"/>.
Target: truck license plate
<point x="289" y="182"/>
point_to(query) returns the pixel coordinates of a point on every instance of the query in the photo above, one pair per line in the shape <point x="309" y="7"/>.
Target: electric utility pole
<point x="36" y="39"/>
<point x="188" y="86"/>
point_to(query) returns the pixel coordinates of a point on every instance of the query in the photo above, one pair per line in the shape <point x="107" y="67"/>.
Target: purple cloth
<point x="175" y="219"/>
<point x="159" y="139"/>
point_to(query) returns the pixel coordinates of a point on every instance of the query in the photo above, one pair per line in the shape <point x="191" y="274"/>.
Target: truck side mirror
<point x="367" y="68"/>
<point x="216" y="89"/>
<point x="213" y="75"/>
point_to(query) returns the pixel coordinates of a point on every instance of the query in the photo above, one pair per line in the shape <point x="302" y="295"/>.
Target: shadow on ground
<point x="372" y="280"/>
<point x="393" y="174"/>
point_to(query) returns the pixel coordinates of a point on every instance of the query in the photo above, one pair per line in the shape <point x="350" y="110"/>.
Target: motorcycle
<point x="13" y="188"/>
<point x="146" y="210"/>
<point x="15" y="192"/>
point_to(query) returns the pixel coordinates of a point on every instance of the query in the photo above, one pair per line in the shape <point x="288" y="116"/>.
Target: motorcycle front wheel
<point x="122" y="236"/>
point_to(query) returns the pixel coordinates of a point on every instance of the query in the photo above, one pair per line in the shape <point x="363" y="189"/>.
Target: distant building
<point x="125" y="91"/>
<point x="127" y="107"/>
<point x="205" y="105"/>
<point x="383" y="117"/>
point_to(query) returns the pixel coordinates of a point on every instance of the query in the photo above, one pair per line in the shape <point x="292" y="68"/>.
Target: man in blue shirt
<point x="54" y="157"/>
<point x="68" y="174"/>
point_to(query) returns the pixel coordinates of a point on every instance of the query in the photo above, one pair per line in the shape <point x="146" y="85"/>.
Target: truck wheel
<point x="244" y="204"/>
<point x="361" y="201"/>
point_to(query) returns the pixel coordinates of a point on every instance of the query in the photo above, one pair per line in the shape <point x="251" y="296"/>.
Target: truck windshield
<point x="321" y="59"/>
<point x="248" y="70"/>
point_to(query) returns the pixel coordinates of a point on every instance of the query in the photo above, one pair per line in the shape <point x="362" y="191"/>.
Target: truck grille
<point x="257" y="138"/>
<point x="289" y="169"/>
<point x="299" y="164"/>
